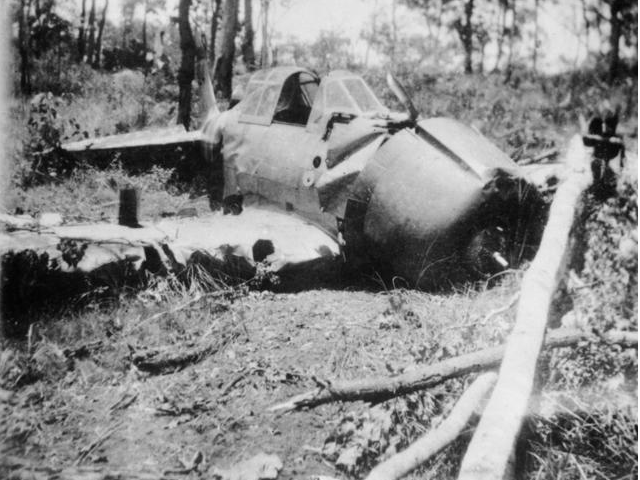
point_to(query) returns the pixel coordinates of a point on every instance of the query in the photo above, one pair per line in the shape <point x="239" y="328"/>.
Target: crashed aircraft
<point x="417" y="199"/>
<point x="422" y="200"/>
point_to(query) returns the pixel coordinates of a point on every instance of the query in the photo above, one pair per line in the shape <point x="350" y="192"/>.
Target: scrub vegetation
<point x="75" y="385"/>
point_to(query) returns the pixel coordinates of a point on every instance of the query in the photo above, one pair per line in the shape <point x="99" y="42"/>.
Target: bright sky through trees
<point x="561" y="45"/>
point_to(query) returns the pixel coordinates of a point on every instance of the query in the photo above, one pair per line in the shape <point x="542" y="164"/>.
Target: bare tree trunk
<point x="248" y="53"/>
<point x="503" y="26"/>
<point x="214" y="32"/>
<point x="186" y="72"/>
<point x="615" y="6"/>
<point x="512" y="33"/>
<point x="144" y="29"/>
<point x="465" y="32"/>
<point x="587" y="24"/>
<point x="536" y="28"/>
<point x="81" y="34"/>
<point x="264" y="51"/>
<point x="92" y="31"/>
<point x="98" y="49"/>
<point x="23" y="40"/>
<point x="224" y="63"/>
<point x="127" y="23"/>
<point x="145" y="63"/>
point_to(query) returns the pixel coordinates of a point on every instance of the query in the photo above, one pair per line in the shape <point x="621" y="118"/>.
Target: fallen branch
<point x="84" y="453"/>
<point x="432" y="442"/>
<point x="512" y="301"/>
<point x="172" y="357"/>
<point x="551" y="153"/>
<point x="83" y="350"/>
<point x="384" y="387"/>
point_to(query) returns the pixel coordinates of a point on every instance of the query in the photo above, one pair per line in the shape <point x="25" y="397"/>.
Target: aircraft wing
<point x="216" y="245"/>
<point x="165" y="137"/>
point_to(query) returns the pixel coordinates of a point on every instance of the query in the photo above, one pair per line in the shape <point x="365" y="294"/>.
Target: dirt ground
<point x="269" y="347"/>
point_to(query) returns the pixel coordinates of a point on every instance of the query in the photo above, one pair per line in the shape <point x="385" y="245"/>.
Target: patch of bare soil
<point x="93" y="406"/>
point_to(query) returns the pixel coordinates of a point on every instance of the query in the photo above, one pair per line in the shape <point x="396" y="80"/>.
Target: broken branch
<point x="432" y="442"/>
<point x="172" y="357"/>
<point x="505" y="308"/>
<point x="384" y="387"/>
<point x="551" y="153"/>
<point x="84" y="453"/>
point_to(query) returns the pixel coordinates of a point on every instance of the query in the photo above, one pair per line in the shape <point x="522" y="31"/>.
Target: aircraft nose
<point x="422" y="210"/>
<point x="417" y="204"/>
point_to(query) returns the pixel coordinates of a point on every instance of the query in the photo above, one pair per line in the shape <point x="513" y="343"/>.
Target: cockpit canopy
<point x="296" y="96"/>
<point x="344" y="92"/>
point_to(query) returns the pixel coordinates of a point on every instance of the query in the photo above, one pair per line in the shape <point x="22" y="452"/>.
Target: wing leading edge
<point x="165" y="137"/>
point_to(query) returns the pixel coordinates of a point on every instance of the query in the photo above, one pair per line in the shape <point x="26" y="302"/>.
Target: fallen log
<point x="384" y="387"/>
<point x="434" y="441"/>
<point x="494" y="441"/>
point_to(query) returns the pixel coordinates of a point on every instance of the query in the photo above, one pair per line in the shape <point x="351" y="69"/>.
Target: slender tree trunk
<point x="615" y="7"/>
<point x="92" y="31"/>
<point x="536" y="28"/>
<point x="145" y="63"/>
<point x="503" y="27"/>
<point x="587" y="24"/>
<point x="248" y="53"/>
<point x="224" y="63"/>
<point x="186" y="72"/>
<point x="512" y="32"/>
<point x="23" y="41"/>
<point x="264" y="51"/>
<point x="465" y="32"/>
<point x="81" y="34"/>
<point x="127" y="23"/>
<point x="214" y="32"/>
<point x="98" y="49"/>
<point x="144" y="29"/>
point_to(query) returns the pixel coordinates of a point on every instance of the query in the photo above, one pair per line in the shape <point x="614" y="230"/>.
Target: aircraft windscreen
<point x="268" y="100"/>
<point x="337" y="98"/>
<point x="363" y="97"/>
<point x="251" y="98"/>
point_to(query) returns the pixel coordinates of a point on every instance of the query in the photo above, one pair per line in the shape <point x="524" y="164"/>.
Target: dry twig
<point x="384" y="387"/>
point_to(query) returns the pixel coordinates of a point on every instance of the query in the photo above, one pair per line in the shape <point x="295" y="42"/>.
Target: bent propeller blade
<point x="399" y="91"/>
